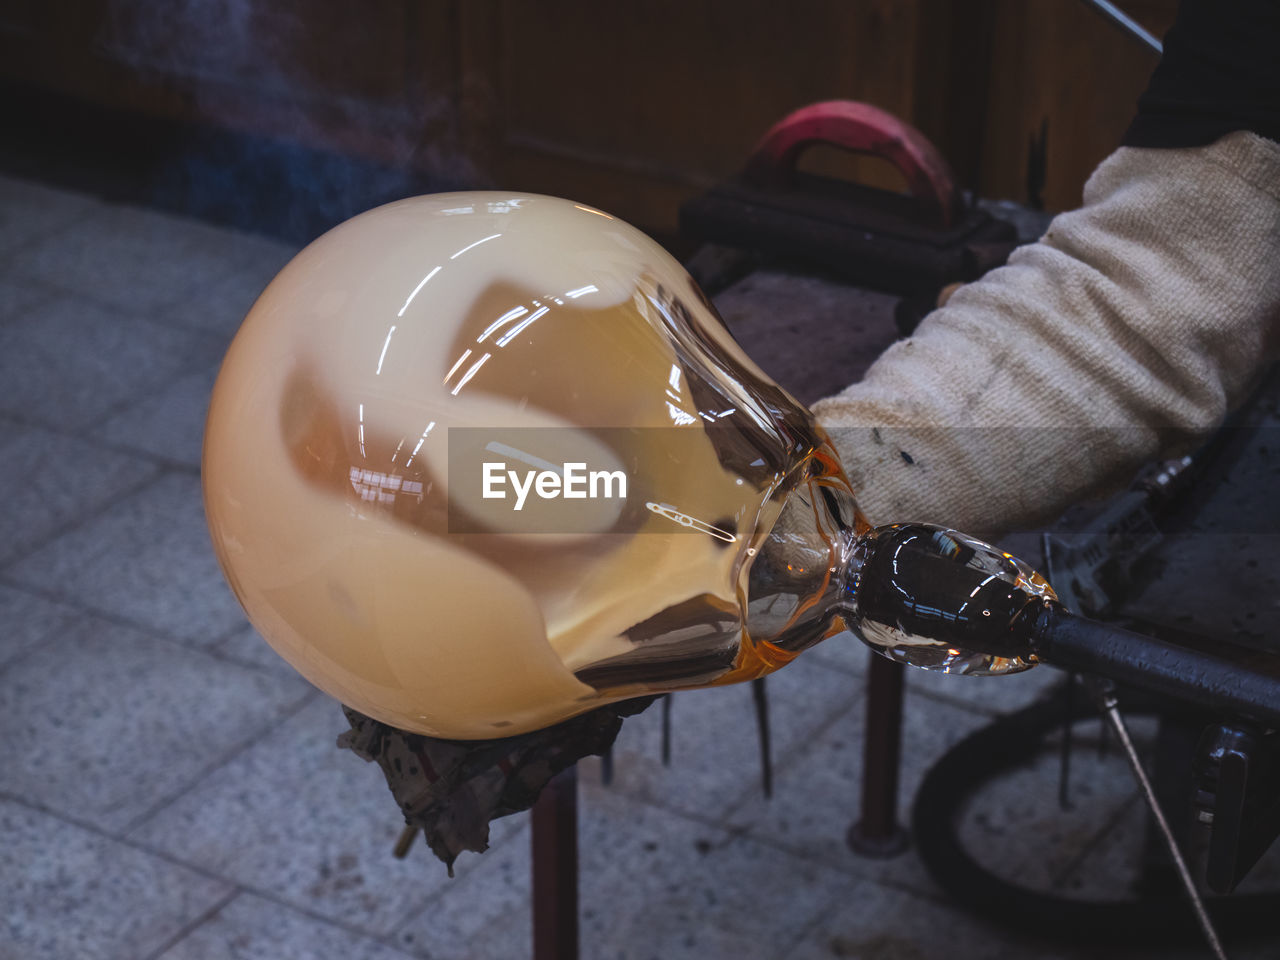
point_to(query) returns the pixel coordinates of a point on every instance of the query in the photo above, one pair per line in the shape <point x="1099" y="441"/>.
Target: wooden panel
<point x="669" y="97"/>
<point x="690" y="87"/>
<point x="1057" y="63"/>
<point x="633" y="107"/>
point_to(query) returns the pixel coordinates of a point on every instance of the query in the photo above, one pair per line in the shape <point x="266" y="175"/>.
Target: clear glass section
<point x="935" y="598"/>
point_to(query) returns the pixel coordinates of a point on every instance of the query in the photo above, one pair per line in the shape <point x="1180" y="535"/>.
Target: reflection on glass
<point x="333" y="501"/>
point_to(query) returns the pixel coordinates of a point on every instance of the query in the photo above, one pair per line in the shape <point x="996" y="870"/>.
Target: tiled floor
<point x="169" y="789"/>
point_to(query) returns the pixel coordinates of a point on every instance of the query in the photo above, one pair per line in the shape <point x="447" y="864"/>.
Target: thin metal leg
<point x="1104" y="692"/>
<point x="1068" y="743"/>
<point x="555" y="869"/>
<point x="666" y="730"/>
<point x="877" y="832"/>
<point x="759" y="694"/>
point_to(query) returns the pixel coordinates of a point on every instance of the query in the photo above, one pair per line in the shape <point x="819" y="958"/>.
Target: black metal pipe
<point x="555" y="869"/>
<point x="1138" y="660"/>
<point x="877" y="832"/>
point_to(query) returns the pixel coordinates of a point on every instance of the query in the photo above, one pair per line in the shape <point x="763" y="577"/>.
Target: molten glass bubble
<point x="536" y="332"/>
<point x="476" y="463"/>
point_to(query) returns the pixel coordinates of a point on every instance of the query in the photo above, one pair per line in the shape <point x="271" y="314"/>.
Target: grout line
<point x="107" y="616"/>
<point x="305" y="699"/>
<point x="794" y="757"/>
<point x="199" y="870"/>
<point x="137" y="453"/>
<point x="151" y="316"/>
<point x="81" y="520"/>
<point x="96" y="830"/>
<point x="433" y="898"/>
<point x="146" y="630"/>
<point x="155" y="391"/>
<point x="190" y="927"/>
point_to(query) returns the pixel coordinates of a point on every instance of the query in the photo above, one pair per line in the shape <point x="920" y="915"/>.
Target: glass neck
<point x="803" y="576"/>
<point x="917" y="593"/>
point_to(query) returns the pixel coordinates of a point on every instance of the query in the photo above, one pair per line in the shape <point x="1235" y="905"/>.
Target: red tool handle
<point x="862" y="128"/>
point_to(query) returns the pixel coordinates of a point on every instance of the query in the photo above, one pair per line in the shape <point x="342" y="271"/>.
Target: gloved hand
<point x="1126" y="333"/>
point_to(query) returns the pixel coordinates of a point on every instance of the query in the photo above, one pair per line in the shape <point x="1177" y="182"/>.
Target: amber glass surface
<point x="405" y="352"/>
<point x="327" y="469"/>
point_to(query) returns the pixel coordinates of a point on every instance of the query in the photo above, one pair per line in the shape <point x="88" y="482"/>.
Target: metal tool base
<point x="878" y="846"/>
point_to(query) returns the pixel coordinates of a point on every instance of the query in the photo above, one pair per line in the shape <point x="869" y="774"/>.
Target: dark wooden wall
<point x="632" y="107"/>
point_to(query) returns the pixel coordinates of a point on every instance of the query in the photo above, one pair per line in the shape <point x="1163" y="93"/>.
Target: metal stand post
<point x="877" y="832"/>
<point x="555" y="869"/>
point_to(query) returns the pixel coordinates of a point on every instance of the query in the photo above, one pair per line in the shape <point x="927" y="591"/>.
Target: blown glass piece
<point x="478" y="463"/>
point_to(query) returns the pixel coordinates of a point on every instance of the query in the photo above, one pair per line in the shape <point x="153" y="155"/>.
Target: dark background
<point x="287" y="117"/>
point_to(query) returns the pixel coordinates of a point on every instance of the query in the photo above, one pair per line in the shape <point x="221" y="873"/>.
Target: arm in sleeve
<point x="1127" y="332"/>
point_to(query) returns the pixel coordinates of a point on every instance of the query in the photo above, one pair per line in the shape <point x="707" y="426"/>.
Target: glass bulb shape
<point x="395" y="356"/>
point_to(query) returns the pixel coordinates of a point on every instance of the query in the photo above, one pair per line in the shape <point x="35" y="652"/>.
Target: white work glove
<point x="1126" y="333"/>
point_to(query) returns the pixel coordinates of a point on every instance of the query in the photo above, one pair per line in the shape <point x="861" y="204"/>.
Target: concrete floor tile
<point x="661" y="886"/>
<point x="1015" y="827"/>
<point x="251" y="928"/>
<point x="17" y="297"/>
<point x="50" y="480"/>
<point x="267" y="255"/>
<point x="70" y="893"/>
<point x="484" y="911"/>
<point x="247" y="646"/>
<point x="652" y="884"/>
<point x="135" y="260"/>
<point x="30" y="212"/>
<point x="28" y="621"/>
<point x="715" y="754"/>
<point x="220" y="306"/>
<point x="816" y="793"/>
<point x="148" y="560"/>
<point x="169" y="424"/>
<point x="102" y="724"/>
<point x="1111" y="870"/>
<point x="873" y="922"/>
<point x="67" y="362"/>
<point x="311" y="823"/>
<point x="878" y="923"/>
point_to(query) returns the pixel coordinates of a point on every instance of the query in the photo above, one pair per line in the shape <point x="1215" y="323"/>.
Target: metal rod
<point x="606" y="766"/>
<point x="877" y="832"/>
<point x="1214" y="682"/>
<point x="1104" y="693"/>
<point x="666" y="730"/>
<point x="1068" y="743"/>
<point x="1127" y="24"/>
<point x="555" y="869"/>
<point x="759" y="694"/>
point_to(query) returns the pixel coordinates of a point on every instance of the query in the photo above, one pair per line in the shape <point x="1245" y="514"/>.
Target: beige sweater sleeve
<point x="1127" y="332"/>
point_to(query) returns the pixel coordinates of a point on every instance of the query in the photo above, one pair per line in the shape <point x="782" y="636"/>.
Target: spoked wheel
<point x="988" y="827"/>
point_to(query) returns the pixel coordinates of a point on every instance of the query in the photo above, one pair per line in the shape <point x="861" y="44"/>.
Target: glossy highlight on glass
<point x="329" y="488"/>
